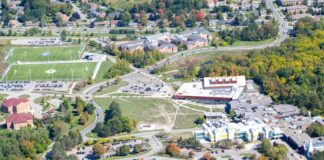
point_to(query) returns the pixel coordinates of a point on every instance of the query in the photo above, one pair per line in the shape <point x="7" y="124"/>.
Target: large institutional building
<point x="213" y="88"/>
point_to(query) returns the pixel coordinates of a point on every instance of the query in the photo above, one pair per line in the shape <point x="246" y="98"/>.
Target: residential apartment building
<point x="16" y="121"/>
<point x="291" y="2"/>
<point x="16" y="105"/>
<point x="300" y="9"/>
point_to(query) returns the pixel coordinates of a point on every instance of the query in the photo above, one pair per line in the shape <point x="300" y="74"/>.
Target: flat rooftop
<point x="222" y="82"/>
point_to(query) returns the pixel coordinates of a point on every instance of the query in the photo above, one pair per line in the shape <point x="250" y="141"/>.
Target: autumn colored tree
<point x="84" y="118"/>
<point x="98" y="149"/>
<point x="200" y="15"/>
<point x="143" y="18"/>
<point x="207" y="156"/>
<point x="173" y="150"/>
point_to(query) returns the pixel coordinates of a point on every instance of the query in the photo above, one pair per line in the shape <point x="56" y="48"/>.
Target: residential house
<point x="16" y="105"/>
<point x="300" y="9"/>
<point x="16" y="121"/>
<point x="195" y="41"/>
<point x="166" y="47"/>
<point x="296" y="17"/>
<point x="131" y="45"/>
<point x="291" y="2"/>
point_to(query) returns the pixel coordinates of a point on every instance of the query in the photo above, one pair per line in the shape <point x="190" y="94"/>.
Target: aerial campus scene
<point x="161" y="79"/>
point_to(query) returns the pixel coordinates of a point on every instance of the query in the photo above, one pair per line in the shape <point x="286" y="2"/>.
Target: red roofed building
<point x="16" y="105"/>
<point x="16" y="121"/>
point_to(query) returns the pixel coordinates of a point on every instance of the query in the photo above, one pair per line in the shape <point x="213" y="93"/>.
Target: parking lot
<point x="143" y="84"/>
<point x="86" y="152"/>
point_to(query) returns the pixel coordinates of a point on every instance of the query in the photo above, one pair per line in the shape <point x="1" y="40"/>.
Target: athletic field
<point x="64" y="71"/>
<point x="57" y="53"/>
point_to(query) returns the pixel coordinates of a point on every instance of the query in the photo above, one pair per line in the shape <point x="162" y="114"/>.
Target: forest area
<point x="291" y="73"/>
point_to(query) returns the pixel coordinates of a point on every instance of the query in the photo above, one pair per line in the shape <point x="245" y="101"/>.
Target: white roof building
<point x="213" y="88"/>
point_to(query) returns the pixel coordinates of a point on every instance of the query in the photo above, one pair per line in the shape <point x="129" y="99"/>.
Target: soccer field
<point x="57" y="53"/>
<point x="64" y="71"/>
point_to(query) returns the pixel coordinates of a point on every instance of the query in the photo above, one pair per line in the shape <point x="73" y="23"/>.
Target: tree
<point x="57" y="129"/>
<point x="63" y="35"/>
<point x="84" y="118"/>
<point x="200" y="15"/>
<point x="137" y="148"/>
<point x="319" y="155"/>
<point x="191" y="153"/>
<point x="315" y="130"/>
<point x="89" y="108"/>
<point x="200" y="120"/>
<point x="265" y="146"/>
<point x="143" y="18"/>
<point x="57" y="152"/>
<point x="114" y="111"/>
<point x="173" y="150"/>
<point x="28" y="148"/>
<point x="126" y="18"/>
<point x="123" y="150"/>
<point x="207" y="156"/>
<point x="98" y="149"/>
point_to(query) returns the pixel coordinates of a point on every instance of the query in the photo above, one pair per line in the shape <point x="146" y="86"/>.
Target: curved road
<point x="283" y="33"/>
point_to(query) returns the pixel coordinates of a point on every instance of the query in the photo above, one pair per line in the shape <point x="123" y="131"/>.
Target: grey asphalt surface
<point x="155" y="144"/>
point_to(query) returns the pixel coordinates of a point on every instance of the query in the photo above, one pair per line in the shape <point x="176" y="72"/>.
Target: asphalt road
<point x="157" y="146"/>
<point x="283" y="35"/>
<point x="99" y="118"/>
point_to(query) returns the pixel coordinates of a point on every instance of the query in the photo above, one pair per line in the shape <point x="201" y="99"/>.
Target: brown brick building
<point x="16" y="105"/>
<point x="16" y="121"/>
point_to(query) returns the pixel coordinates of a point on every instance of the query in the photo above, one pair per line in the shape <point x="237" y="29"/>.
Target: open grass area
<point x="144" y="110"/>
<point x="57" y="53"/>
<point x="197" y="107"/>
<point x="77" y="126"/>
<point x="186" y="118"/>
<point x="251" y="43"/>
<point x="129" y="156"/>
<point x="63" y="71"/>
<point x="111" y="88"/>
<point x="126" y="3"/>
<point x="103" y="70"/>
<point x="2" y="96"/>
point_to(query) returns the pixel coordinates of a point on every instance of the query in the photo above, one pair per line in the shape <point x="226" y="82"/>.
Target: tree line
<point x="291" y="73"/>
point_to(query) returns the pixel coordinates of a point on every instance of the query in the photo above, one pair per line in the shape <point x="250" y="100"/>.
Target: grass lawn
<point x="57" y="53"/>
<point x="186" y="118"/>
<point x="111" y="88"/>
<point x="197" y="107"/>
<point x="64" y="71"/>
<point x="2" y="96"/>
<point x="124" y="94"/>
<point x="76" y="126"/>
<point x="103" y="70"/>
<point x="129" y="156"/>
<point x="145" y="110"/>
<point x="251" y="43"/>
<point x="126" y="3"/>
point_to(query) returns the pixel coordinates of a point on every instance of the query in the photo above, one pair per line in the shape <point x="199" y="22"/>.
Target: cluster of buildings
<point x="258" y="117"/>
<point x="297" y="9"/>
<point x="19" y="110"/>
<point x="167" y="43"/>
<point x="213" y="88"/>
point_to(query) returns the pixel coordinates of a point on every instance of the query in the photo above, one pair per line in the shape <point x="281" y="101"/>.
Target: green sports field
<point x="57" y="53"/>
<point x="64" y="71"/>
